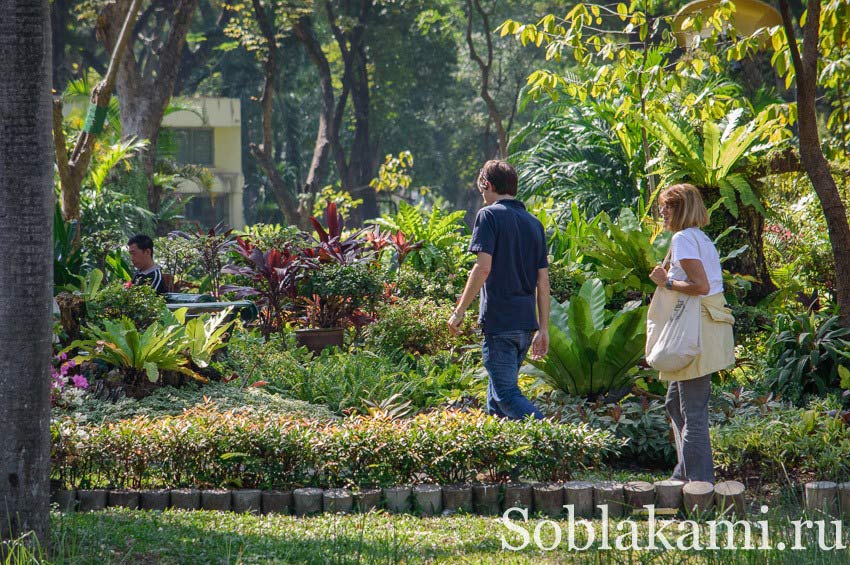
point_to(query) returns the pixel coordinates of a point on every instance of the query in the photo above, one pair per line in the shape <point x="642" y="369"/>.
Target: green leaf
<point x="844" y="373"/>
<point x="593" y="292"/>
<point x="152" y="371"/>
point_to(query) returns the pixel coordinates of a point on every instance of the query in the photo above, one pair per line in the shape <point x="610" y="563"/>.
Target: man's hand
<point x="455" y="321"/>
<point x="540" y="345"/>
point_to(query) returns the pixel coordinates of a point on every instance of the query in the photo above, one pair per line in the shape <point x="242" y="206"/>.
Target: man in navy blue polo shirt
<point x="512" y="274"/>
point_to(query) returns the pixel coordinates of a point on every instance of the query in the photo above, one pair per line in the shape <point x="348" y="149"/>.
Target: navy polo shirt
<point x="517" y="242"/>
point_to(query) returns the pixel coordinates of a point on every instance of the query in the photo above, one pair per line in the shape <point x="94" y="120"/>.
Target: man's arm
<point x="540" y="344"/>
<point x="477" y="276"/>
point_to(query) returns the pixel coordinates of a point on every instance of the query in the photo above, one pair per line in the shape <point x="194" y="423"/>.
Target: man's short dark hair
<point x="501" y="175"/>
<point x="141" y="241"/>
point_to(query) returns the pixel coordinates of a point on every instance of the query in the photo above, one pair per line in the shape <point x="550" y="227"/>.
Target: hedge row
<point x="207" y="448"/>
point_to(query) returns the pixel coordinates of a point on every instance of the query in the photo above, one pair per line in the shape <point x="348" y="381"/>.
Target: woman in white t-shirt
<point x="694" y="270"/>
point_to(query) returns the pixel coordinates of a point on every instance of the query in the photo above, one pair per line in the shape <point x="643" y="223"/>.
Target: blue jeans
<point x="504" y="353"/>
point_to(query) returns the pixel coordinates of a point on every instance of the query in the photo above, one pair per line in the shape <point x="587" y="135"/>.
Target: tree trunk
<point x="486" y="68"/>
<point x="264" y="154"/>
<point x="145" y="88"/>
<point x="751" y="262"/>
<point x="811" y="155"/>
<point x="26" y="211"/>
<point x="362" y="161"/>
<point x="322" y="148"/>
<point x="357" y="171"/>
<point x="72" y="169"/>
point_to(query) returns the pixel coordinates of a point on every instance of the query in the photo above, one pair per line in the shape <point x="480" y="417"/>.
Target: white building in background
<point x="210" y="135"/>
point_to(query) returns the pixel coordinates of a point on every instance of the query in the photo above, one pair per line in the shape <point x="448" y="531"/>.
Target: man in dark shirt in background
<point x="141" y="255"/>
<point x="512" y="273"/>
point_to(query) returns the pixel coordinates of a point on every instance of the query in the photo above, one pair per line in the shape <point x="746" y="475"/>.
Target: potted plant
<point x="273" y="281"/>
<point x="333" y="298"/>
<point x="345" y="281"/>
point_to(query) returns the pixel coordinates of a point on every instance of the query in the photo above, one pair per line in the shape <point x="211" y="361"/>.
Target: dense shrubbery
<point x="350" y="380"/>
<point x="417" y="325"/>
<point x="642" y="422"/>
<point x="171" y="401"/>
<point x="788" y="444"/>
<point x="140" y="303"/>
<point x="804" y="354"/>
<point x="206" y="447"/>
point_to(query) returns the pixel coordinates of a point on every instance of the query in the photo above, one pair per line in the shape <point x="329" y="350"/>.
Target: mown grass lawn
<point x="122" y="536"/>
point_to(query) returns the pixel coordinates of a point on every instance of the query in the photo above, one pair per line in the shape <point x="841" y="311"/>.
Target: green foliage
<point x="139" y="303"/>
<point x="442" y="234"/>
<point x="206" y="447"/>
<point x="589" y="354"/>
<point x="394" y="174"/>
<point x="441" y="285"/>
<point x="209" y="248"/>
<point x="785" y="444"/>
<point x="121" y="345"/>
<point x="624" y="252"/>
<point x="345" y="203"/>
<point x="577" y="159"/>
<point x="416" y="325"/>
<point x="204" y="335"/>
<point x="170" y="401"/>
<point x="355" y="380"/>
<point x="714" y="161"/>
<point x="67" y="256"/>
<point x="336" y="292"/>
<point x="273" y="236"/>
<point x="358" y="283"/>
<point x="641" y="422"/>
<point x="562" y="282"/>
<point x="804" y="353"/>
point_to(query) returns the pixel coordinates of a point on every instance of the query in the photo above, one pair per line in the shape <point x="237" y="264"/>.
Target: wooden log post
<point x="367" y="499"/>
<point x="609" y="493"/>
<point x="428" y="499"/>
<point x="337" y="501"/>
<point x="185" y="498"/>
<point x="307" y="501"/>
<point x="821" y="497"/>
<point x="518" y="495"/>
<point x="729" y="498"/>
<point x="698" y="497"/>
<point x="668" y="494"/>
<point x="638" y="494"/>
<point x="579" y="494"/>
<point x="549" y="499"/>
<point x="844" y="499"/>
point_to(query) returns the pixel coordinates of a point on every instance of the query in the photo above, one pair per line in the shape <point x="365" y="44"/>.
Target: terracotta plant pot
<point x="317" y="339"/>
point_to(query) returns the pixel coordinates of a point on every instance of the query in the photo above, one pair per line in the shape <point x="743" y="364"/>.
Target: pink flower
<point x="80" y="382"/>
<point x="128" y="284"/>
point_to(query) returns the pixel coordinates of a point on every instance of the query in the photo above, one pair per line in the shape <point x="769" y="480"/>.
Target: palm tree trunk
<point x="26" y="211"/>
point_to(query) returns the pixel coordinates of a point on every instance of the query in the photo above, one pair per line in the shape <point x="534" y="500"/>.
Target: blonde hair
<point x="687" y="206"/>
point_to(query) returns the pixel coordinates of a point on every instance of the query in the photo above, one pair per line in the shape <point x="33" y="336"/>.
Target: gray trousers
<point x="687" y="405"/>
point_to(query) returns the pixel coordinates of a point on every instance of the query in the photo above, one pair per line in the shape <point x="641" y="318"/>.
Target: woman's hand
<point x="658" y="275"/>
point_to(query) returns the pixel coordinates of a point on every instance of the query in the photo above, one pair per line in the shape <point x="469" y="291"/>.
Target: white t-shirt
<point x="691" y="243"/>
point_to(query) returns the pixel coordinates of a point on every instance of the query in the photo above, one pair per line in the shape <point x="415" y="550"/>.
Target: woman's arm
<point x="697" y="283"/>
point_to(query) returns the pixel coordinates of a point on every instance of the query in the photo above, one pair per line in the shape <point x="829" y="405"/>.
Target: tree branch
<point x="495" y="114"/>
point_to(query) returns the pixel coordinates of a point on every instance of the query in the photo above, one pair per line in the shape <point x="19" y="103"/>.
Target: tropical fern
<point x="713" y="157"/>
<point x="581" y="156"/>
<point x="110" y="157"/>
<point x="443" y="235"/>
